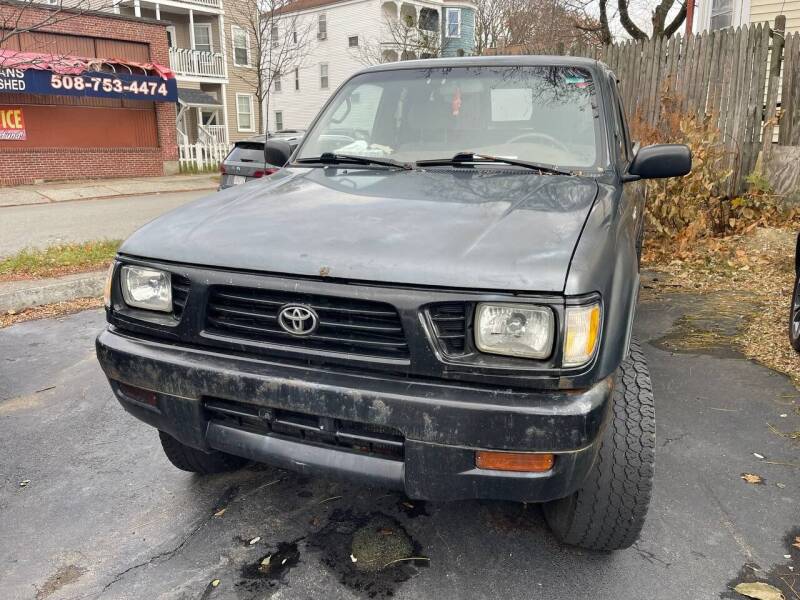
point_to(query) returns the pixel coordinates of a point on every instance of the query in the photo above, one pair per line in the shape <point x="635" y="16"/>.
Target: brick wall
<point x="52" y="163"/>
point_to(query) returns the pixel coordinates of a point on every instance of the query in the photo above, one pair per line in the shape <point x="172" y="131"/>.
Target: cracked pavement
<point x="106" y="516"/>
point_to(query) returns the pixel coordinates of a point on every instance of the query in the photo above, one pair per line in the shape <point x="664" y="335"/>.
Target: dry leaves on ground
<point x="59" y="309"/>
<point x="752" y="478"/>
<point x="760" y="591"/>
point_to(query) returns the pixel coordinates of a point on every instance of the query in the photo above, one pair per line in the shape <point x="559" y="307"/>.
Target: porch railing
<point x="196" y="158"/>
<point x="197" y="63"/>
<point x="213" y="134"/>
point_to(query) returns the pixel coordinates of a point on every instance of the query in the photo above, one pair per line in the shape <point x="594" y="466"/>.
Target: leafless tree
<point x="404" y="37"/>
<point x="279" y="43"/>
<point x="661" y="25"/>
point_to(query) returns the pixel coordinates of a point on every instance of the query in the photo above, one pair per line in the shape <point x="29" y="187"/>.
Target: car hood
<point x="467" y="228"/>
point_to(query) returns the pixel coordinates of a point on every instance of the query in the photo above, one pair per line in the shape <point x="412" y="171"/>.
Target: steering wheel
<point x="543" y="136"/>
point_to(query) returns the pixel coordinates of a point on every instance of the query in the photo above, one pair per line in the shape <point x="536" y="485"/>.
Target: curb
<point x="107" y="196"/>
<point x="19" y="295"/>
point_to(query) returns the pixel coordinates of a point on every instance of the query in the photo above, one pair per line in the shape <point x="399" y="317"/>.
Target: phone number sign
<point x="92" y="83"/>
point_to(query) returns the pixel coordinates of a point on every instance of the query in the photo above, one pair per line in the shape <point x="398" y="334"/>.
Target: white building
<point x="347" y="35"/>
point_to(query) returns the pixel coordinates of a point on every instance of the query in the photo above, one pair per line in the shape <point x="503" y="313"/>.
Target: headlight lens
<point x="514" y="330"/>
<point x="146" y="288"/>
<point x="107" y="287"/>
<point x="582" y="334"/>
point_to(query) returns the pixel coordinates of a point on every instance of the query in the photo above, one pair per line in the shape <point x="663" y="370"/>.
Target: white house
<point x="347" y="35"/>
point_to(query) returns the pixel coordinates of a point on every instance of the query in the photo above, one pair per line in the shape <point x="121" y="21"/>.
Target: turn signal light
<point x="527" y="462"/>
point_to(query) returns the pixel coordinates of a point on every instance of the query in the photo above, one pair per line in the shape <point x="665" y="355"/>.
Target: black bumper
<point x="442" y="423"/>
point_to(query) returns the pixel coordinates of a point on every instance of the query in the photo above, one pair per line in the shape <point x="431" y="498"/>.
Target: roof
<point x="528" y="60"/>
<point x="298" y="5"/>
<point x="192" y="97"/>
<point x="75" y="65"/>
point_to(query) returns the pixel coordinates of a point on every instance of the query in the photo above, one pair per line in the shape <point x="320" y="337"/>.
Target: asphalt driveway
<point x="90" y="508"/>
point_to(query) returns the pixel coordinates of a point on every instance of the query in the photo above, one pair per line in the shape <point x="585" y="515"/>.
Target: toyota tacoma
<point x="436" y="294"/>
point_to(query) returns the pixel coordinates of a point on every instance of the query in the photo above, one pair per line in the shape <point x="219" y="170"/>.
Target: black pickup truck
<point x="436" y="294"/>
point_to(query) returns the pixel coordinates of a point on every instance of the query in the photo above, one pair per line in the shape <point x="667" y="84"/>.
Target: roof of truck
<point x="496" y="61"/>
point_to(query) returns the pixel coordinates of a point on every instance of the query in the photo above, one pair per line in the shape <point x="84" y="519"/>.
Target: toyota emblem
<point x="298" y="320"/>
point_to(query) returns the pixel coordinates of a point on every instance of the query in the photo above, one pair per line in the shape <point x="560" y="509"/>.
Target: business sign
<point x="12" y="124"/>
<point x="91" y="83"/>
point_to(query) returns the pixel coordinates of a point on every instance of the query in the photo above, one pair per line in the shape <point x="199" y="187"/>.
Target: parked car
<point x="794" y="314"/>
<point x="246" y="160"/>
<point x="435" y="295"/>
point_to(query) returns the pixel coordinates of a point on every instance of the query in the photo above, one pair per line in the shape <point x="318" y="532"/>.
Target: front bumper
<point x="443" y="423"/>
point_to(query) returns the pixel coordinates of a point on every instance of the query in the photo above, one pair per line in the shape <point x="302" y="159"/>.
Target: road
<point x="105" y="516"/>
<point x="41" y="225"/>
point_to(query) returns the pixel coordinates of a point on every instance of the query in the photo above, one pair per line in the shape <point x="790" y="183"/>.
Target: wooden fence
<point x="724" y="74"/>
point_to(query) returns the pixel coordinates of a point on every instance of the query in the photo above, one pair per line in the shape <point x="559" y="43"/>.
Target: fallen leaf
<point x="255" y="540"/>
<point x="752" y="478"/>
<point x="314" y="521"/>
<point x="760" y="591"/>
<point x="220" y="512"/>
<point x="265" y="562"/>
<point x="796" y="542"/>
<point x="215" y="583"/>
<point x="385" y="531"/>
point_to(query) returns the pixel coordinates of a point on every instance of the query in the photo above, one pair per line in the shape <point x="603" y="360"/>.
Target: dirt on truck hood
<point x="475" y="228"/>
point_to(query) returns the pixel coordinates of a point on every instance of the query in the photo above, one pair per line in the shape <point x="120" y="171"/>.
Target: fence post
<point x="778" y="41"/>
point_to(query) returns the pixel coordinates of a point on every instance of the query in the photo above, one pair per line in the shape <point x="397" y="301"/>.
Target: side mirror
<point x="277" y="152"/>
<point x="660" y="161"/>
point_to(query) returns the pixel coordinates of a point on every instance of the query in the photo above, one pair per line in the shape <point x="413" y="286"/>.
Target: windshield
<point x="540" y="114"/>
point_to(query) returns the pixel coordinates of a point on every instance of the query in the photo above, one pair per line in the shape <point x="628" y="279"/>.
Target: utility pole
<point x="689" y="17"/>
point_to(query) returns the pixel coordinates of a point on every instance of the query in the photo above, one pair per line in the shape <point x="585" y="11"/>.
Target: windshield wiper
<point x="329" y="158"/>
<point x="470" y="157"/>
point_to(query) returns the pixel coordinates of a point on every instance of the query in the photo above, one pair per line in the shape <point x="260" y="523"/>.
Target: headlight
<point x="146" y="288"/>
<point x="514" y="330"/>
<point x="582" y="334"/>
<point x="109" y="282"/>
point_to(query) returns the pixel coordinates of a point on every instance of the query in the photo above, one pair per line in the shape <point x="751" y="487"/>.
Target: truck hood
<point x="466" y="228"/>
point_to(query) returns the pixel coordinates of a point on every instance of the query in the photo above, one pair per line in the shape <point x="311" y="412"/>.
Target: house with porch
<point x="719" y="14"/>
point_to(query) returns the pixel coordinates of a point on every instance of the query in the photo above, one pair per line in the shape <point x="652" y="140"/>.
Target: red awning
<point x="75" y="65"/>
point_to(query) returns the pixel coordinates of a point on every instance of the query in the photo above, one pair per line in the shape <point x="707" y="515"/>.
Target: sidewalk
<point x="49" y="193"/>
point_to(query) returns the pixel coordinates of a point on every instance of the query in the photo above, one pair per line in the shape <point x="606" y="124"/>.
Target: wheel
<point x="794" y="316"/>
<point x="608" y="511"/>
<point x="197" y="461"/>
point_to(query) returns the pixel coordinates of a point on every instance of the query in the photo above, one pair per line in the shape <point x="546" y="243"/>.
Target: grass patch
<point x="58" y="260"/>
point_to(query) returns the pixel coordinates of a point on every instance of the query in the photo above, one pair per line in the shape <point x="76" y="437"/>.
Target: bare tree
<point x="661" y="28"/>
<point x="279" y="41"/>
<point x="403" y="38"/>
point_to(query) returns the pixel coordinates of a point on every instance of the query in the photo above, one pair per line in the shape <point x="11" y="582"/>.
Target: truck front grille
<point x="341" y="434"/>
<point x="180" y="293"/>
<point x="346" y="325"/>
<point x="451" y="323"/>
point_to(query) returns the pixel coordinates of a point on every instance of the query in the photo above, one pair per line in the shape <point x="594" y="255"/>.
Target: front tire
<point x="190" y="459"/>
<point x="608" y="511"/>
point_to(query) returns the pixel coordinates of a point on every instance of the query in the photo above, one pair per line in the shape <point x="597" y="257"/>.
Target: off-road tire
<point x="608" y="511"/>
<point x="196" y="461"/>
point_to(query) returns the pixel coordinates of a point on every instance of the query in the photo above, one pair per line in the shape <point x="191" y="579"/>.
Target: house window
<point x="297" y="79"/>
<point x="244" y="112"/>
<point x="273" y="34"/>
<point x="276" y="82"/>
<point x="322" y="27"/>
<point x="323" y="77"/>
<point x="202" y="37"/>
<point x="453" y="22"/>
<point x="171" y="39"/>
<point x="241" y="47"/>
<point x="721" y="14"/>
<point x="352" y="41"/>
<point x="278" y="120"/>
